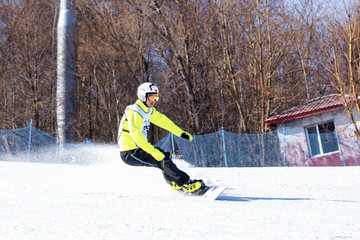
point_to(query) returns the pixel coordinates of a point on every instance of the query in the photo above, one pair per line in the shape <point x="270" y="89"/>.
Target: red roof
<point x="311" y="107"/>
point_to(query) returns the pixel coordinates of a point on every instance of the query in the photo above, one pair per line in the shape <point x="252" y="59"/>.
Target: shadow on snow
<point x="248" y="199"/>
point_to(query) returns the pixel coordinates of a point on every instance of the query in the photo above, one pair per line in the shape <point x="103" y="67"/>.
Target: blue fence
<point x="277" y="148"/>
<point x="219" y="149"/>
<point x="226" y="149"/>
<point x="30" y="144"/>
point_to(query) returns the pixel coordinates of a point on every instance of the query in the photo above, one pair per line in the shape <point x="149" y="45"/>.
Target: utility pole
<point x="66" y="71"/>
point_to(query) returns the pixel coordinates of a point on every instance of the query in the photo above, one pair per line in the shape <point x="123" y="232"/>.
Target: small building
<point x="318" y="132"/>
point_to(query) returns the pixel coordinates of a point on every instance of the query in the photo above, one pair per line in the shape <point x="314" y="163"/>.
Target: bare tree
<point x="246" y="46"/>
<point x="26" y="62"/>
<point x="306" y="44"/>
<point x="218" y="63"/>
<point x="115" y="56"/>
<point x="177" y="51"/>
<point x="340" y="44"/>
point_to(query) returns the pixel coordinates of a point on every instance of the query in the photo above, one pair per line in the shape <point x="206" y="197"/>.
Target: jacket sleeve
<point x="164" y="122"/>
<point x="135" y="126"/>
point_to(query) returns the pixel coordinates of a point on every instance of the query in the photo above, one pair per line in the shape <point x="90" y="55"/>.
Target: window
<point x="322" y="139"/>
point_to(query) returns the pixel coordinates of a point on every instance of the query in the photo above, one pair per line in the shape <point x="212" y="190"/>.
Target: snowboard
<point x="210" y="192"/>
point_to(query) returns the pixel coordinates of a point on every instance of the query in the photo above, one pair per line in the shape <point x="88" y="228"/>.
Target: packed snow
<point x="110" y="200"/>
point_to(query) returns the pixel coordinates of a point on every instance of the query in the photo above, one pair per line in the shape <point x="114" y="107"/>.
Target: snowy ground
<point x="108" y="200"/>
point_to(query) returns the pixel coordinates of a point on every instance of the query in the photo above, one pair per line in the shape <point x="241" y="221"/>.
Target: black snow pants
<point x="139" y="157"/>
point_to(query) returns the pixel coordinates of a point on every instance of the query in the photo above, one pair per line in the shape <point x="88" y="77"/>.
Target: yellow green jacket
<point x="134" y="125"/>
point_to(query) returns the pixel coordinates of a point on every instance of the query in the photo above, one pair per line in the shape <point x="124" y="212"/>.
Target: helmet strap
<point x="146" y="96"/>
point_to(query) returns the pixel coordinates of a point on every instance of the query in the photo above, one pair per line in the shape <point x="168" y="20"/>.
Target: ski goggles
<point x="153" y="97"/>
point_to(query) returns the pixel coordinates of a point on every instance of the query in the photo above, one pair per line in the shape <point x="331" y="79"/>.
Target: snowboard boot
<point x="192" y="186"/>
<point x="173" y="185"/>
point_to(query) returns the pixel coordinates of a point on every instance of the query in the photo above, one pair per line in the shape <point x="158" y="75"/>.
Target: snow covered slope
<point x="109" y="200"/>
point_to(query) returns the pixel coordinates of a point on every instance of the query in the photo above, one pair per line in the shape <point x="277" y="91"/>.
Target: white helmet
<point x="145" y="89"/>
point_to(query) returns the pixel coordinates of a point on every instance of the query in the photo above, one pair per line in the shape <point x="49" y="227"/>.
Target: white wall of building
<point x="296" y="147"/>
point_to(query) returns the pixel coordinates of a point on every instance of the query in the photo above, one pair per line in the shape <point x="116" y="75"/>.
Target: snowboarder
<point x="135" y="150"/>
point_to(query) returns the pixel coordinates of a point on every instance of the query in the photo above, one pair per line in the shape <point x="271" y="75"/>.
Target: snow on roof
<point x="311" y="107"/>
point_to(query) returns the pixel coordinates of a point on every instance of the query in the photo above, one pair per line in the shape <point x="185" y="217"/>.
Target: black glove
<point x="184" y="135"/>
<point x="187" y="136"/>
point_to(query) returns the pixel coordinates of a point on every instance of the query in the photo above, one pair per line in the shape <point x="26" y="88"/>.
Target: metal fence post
<point x="223" y="139"/>
<point x="284" y="146"/>
<point x="29" y="146"/>
<point x="172" y="144"/>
